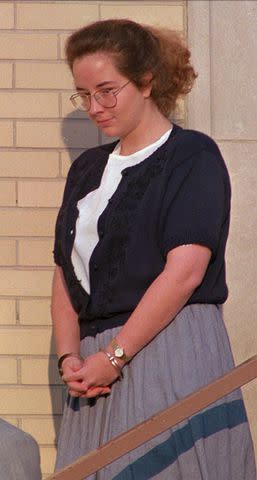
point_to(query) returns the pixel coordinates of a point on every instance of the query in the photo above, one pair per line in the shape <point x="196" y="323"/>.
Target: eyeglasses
<point x="107" y="97"/>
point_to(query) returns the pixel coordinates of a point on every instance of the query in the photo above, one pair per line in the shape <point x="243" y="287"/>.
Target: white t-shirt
<point x="92" y="206"/>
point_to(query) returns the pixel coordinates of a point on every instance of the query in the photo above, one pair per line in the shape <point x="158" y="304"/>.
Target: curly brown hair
<point x="136" y="50"/>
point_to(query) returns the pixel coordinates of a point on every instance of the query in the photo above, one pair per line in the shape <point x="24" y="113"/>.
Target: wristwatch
<point x="118" y="351"/>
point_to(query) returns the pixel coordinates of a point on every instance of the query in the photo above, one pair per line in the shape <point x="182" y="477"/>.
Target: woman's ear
<point x="147" y="84"/>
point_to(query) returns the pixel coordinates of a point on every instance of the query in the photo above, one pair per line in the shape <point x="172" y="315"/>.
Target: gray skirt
<point x="214" y="444"/>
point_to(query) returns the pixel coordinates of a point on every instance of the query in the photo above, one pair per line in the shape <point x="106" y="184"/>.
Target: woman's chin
<point x="108" y="131"/>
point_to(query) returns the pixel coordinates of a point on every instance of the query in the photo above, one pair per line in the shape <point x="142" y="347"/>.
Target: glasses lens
<point x="81" y="101"/>
<point x="106" y="98"/>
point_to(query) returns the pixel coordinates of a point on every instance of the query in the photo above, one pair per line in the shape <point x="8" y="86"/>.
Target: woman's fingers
<point x="96" y="391"/>
<point x="74" y="376"/>
<point x="79" y="387"/>
<point x="91" y="392"/>
<point x="74" y="393"/>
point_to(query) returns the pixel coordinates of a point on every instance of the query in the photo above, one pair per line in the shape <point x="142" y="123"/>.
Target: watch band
<point x="118" y="351"/>
<point x="114" y="362"/>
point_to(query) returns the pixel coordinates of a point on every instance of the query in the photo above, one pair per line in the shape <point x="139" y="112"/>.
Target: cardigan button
<point x="95" y="266"/>
<point x="101" y="233"/>
<point x="71" y="232"/>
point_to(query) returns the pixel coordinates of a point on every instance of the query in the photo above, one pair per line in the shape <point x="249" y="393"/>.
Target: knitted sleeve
<point x="196" y="203"/>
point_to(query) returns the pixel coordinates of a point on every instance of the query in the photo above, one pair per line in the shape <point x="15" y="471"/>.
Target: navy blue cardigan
<point x="178" y="195"/>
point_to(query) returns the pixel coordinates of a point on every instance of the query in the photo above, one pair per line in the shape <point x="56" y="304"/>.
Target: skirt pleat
<point x="214" y="444"/>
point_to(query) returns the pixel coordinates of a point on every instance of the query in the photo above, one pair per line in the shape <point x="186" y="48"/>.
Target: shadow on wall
<point x="55" y="384"/>
<point x="78" y="133"/>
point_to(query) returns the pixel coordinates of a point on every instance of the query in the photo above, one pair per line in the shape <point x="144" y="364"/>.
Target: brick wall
<point x="39" y="135"/>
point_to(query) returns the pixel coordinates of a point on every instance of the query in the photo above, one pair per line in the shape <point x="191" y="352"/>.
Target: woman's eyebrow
<point x="99" y="85"/>
<point x="102" y="84"/>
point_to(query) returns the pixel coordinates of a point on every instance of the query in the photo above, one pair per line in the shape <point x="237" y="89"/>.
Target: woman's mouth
<point x="103" y="122"/>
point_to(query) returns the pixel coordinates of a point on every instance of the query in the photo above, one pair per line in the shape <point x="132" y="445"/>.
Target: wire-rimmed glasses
<point x="107" y="97"/>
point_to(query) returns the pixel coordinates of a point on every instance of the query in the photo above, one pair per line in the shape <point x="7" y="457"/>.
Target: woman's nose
<point x="95" y="107"/>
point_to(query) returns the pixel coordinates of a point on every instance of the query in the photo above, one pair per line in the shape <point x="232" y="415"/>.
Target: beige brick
<point x="68" y="109"/>
<point x="28" y="46"/>
<point x="7" y="252"/>
<point x="39" y="371"/>
<point x="7" y="312"/>
<point x="43" y="75"/>
<point x="67" y="157"/>
<point x="35" y="252"/>
<point x="6" y="15"/>
<point x="65" y="163"/>
<point x="39" y="134"/>
<point x="35" y="312"/>
<point x="71" y="133"/>
<point x="29" y="164"/>
<point x="47" y="455"/>
<point x="8" y="371"/>
<point x="180" y="111"/>
<point x="6" y="133"/>
<point x="63" y="39"/>
<point x="12" y="420"/>
<point x="170" y="16"/>
<point x="25" y="341"/>
<point x="6" y="75"/>
<point x="25" y="283"/>
<point x="45" y="476"/>
<point x="42" y="429"/>
<point x="7" y="194"/>
<point x="22" y="105"/>
<point x="17" y="221"/>
<point x="56" y="16"/>
<point x="30" y="400"/>
<point x="40" y="193"/>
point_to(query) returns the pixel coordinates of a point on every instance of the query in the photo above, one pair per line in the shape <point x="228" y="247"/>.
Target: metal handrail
<point x="158" y="423"/>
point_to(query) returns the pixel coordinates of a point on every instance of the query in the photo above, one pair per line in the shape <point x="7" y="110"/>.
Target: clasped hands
<point x="90" y="377"/>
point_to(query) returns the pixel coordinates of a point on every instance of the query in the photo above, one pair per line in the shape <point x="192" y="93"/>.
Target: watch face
<point x="119" y="352"/>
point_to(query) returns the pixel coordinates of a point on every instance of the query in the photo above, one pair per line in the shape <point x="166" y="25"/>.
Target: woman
<point x="140" y="242"/>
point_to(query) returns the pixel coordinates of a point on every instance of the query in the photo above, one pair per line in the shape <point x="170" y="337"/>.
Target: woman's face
<point x="97" y="72"/>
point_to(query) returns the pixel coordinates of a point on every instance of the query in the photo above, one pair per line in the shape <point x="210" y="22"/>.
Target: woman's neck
<point x="150" y="130"/>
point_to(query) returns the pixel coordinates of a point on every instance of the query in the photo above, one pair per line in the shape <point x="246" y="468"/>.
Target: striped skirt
<point x="214" y="444"/>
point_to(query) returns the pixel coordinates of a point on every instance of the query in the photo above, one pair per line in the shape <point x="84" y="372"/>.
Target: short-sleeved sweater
<point x="178" y="195"/>
<point x="92" y="206"/>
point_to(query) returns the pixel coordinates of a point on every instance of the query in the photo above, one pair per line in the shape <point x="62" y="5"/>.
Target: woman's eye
<point x="106" y="91"/>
